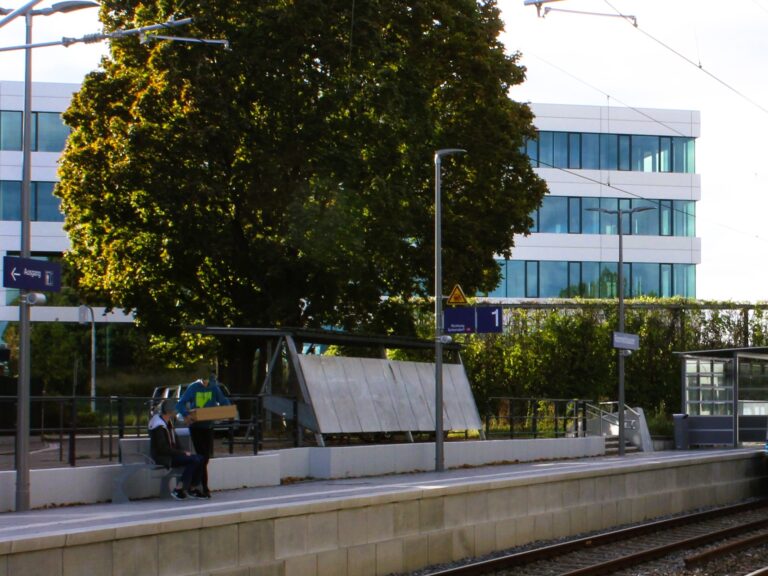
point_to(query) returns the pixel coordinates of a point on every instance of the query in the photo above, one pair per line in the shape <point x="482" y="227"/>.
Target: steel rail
<point x="727" y="548"/>
<point x="551" y="551"/>
<point x="661" y="551"/>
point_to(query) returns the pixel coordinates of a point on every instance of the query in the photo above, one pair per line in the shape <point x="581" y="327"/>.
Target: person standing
<point x="166" y="451"/>
<point x="201" y="393"/>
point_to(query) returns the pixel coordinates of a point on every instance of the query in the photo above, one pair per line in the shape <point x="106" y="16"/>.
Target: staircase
<point x="612" y="446"/>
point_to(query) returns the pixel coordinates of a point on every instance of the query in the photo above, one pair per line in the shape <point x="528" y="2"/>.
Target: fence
<point x="69" y="420"/>
<point x="535" y="417"/>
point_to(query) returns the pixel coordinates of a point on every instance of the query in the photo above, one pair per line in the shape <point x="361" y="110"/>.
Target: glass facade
<point x="49" y="133"/>
<point x="577" y="215"/>
<point x="753" y="386"/>
<point x="562" y="279"/>
<point x="589" y="151"/>
<point x="44" y="206"/>
<point x="708" y="389"/>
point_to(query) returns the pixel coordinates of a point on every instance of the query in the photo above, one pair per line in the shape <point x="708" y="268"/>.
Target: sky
<point x="703" y="55"/>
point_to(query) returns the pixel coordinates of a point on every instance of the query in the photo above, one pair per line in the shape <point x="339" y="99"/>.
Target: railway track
<point x="698" y="537"/>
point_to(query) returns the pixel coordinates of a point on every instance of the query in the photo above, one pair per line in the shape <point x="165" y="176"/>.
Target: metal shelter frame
<point x="726" y="415"/>
<point x="292" y="341"/>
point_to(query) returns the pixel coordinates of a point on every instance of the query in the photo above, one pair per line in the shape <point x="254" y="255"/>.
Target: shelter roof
<point x="728" y="352"/>
<point x="316" y="336"/>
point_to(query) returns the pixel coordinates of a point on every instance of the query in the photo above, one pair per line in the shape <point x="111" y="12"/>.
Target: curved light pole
<point x="439" y="456"/>
<point x="22" y="405"/>
<point x="621" y="353"/>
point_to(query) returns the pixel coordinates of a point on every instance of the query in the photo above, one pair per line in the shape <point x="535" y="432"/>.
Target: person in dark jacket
<point x="166" y="451"/>
<point x="202" y="394"/>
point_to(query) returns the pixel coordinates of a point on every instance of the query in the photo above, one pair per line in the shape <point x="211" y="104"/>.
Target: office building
<point x="47" y="236"/>
<point x="606" y="158"/>
<point x="593" y="158"/>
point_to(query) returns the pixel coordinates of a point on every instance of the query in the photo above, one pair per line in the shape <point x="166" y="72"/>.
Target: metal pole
<point x="22" y="418"/>
<point x="439" y="454"/>
<point x="93" y="360"/>
<point x="619" y="351"/>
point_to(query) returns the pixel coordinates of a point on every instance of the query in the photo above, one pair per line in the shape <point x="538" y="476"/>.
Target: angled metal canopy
<point x="351" y="395"/>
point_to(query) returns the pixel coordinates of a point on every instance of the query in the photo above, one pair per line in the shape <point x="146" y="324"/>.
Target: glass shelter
<point x="725" y="395"/>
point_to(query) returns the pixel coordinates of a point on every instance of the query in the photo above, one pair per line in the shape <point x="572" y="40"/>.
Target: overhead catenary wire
<point x="606" y="94"/>
<point x="608" y="183"/>
<point x="695" y="65"/>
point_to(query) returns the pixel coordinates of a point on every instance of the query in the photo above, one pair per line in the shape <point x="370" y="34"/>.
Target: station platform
<point x="374" y="525"/>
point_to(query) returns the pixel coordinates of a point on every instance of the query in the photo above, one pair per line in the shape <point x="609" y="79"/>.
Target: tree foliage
<point x="551" y="352"/>
<point x="289" y="180"/>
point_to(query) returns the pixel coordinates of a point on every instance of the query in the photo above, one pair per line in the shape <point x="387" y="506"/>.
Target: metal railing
<point x="535" y="417"/>
<point x="603" y="418"/>
<point x="70" y="422"/>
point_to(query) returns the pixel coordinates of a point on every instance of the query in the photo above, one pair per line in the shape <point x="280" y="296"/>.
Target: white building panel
<point x="617" y="120"/>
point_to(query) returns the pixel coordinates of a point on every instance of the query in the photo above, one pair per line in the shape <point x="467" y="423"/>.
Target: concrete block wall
<point x="90" y="484"/>
<point x="389" y="533"/>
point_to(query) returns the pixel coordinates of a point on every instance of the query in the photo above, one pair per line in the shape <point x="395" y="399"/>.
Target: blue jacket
<point x="199" y="396"/>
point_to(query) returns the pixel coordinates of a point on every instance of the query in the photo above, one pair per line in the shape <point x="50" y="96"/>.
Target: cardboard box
<point x="214" y="413"/>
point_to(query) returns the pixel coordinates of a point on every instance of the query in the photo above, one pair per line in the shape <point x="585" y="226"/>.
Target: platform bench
<point x="135" y="456"/>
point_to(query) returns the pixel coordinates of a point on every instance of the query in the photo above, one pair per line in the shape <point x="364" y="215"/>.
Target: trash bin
<point x="681" y="431"/>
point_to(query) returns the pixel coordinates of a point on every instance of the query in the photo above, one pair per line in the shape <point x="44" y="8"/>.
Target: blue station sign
<point x="459" y="320"/>
<point x="624" y="341"/>
<point x="475" y="319"/>
<point x="31" y="274"/>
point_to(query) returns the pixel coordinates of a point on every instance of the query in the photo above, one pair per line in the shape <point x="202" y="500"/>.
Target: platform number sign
<point x="477" y="319"/>
<point x="490" y="319"/>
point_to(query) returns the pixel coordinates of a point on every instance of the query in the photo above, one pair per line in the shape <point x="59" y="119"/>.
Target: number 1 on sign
<point x="496" y="313"/>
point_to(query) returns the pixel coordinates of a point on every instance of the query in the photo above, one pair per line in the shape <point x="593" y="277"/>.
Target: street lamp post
<point x="439" y="455"/>
<point x="22" y="417"/>
<point x="621" y="354"/>
<point x="83" y="317"/>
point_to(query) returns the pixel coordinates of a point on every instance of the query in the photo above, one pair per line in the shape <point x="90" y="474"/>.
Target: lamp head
<point x="72" y="5"/>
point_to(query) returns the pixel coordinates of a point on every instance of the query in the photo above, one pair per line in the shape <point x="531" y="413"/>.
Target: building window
<point x="574" y="215"/>
<point x="684" y="280"/>
<point x="665" y="270"/>
<point x="44" y="206"/>
<point x="590" y="216"/>
<point x="49" y="133"/>
<point x="561" y="279"/>
<point x="646" y="223"/>
<point x="560" y="148"/>
<point x="589" y="151"/>
<point x="531" y="279"/>
<point x="624" y="152"/>
<point x="665" y="217"/>
<point x="646" y="280"/>
<point x="683" y="154"/>
<point x="684" y="218"/>
<point x="645" y="153"/>
<point x="553" y="215"/>
<point x="574" y="151"/>
<point x="10" y="130"/>
<point x="10" y="200"/>
<point x="553" y="279"/>
<point x="609" y="152"/>
<point x="546" y="149"/>
<point x="581" y="215"/>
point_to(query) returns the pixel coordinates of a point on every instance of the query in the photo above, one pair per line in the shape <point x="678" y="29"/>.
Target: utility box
<point x="681" y="431"/>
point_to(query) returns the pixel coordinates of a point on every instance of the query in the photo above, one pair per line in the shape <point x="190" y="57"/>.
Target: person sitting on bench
<point x="166" y="451"/>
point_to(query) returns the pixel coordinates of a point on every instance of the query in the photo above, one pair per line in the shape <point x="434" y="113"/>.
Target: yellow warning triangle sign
<point x="457" y="297"/>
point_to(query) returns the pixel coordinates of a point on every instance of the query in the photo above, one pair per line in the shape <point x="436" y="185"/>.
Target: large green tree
<point x="288" y="180"/>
